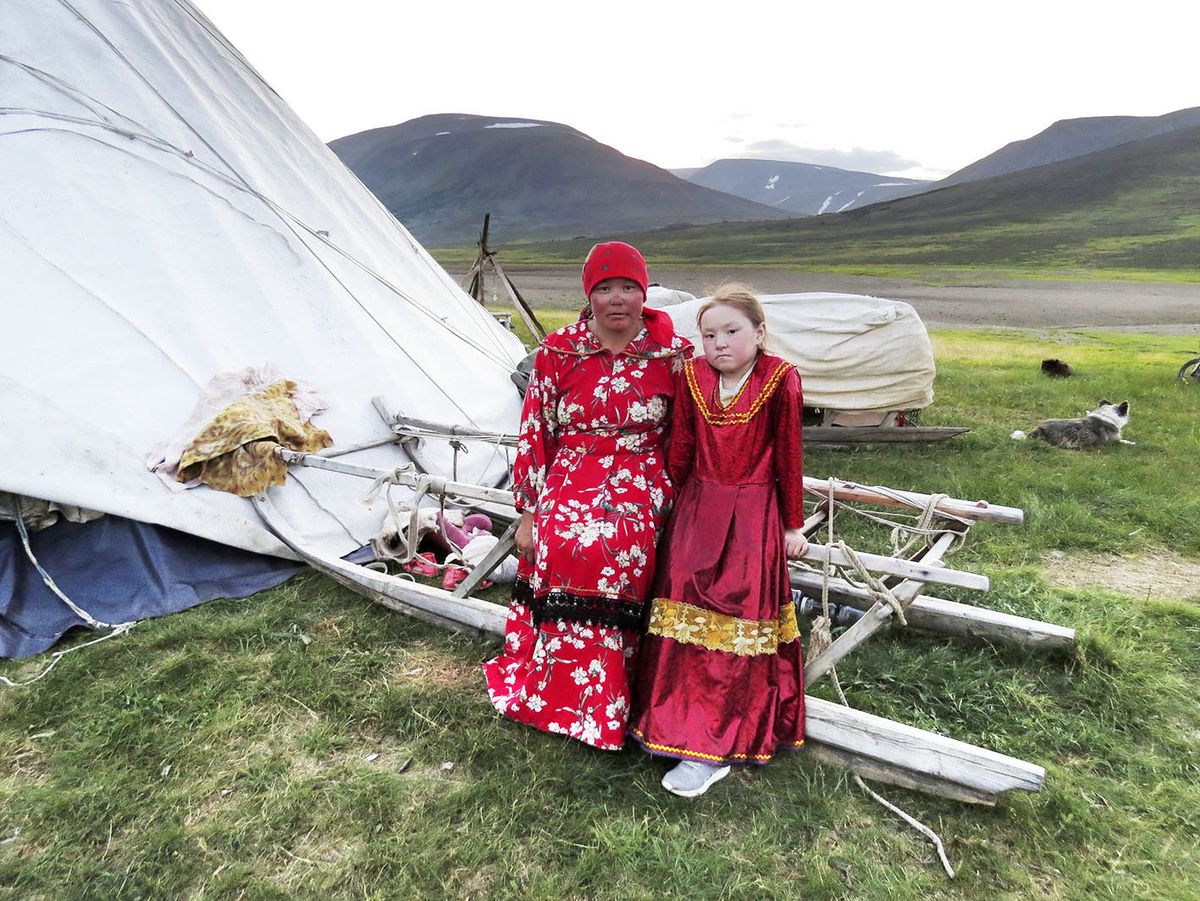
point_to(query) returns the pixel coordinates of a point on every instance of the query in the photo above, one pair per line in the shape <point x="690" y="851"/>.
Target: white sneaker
<point x="688" y="778"/>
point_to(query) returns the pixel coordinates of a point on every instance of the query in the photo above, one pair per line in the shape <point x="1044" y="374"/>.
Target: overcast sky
<point x="919" y="88"/>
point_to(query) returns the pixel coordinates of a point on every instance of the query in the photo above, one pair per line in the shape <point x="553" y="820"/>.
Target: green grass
<point x="223" y="752"/>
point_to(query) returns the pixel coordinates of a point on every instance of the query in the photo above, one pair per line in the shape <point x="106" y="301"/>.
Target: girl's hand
<point x="795" y="544"/>
<point x="524" y="536"/>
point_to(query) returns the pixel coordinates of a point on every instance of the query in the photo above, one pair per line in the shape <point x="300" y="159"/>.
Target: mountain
<point x="1128" y="207"/>
<point x="439" y="174"/>
<point x="801" y="187"/>
<point x="1071" y="138"/>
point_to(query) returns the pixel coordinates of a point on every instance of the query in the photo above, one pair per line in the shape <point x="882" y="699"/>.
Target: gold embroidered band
<point x="687" y="624"/>
<point x="721" y="417"/>
<point x="711" y="758"/>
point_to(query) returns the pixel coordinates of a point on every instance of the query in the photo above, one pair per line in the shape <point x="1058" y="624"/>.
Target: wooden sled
<point x="872" y="746"/>
<point x="890" y="434"/>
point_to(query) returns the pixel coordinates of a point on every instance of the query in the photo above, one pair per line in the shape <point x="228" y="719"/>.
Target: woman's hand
<point x="794" y="543"/>
<point x="524" y="536"/>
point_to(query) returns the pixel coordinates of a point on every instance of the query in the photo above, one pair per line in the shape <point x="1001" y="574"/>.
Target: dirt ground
<point x="1169" y="309"/>
<point x="1157" y="572"/>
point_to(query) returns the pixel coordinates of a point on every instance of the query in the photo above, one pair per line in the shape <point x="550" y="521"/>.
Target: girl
<point x="591" y="487"/>
<point x="720" y="677"/>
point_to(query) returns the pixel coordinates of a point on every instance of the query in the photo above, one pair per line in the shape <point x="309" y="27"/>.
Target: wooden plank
<point x="437" y="484"/>
<point x="400" y="422"/>
<point x="490" y="561"/>
<point x="814" y="522"/>
<point x="422" y="601"/>
<point x="930" y="614"/>
<point x="891" y="497"/>
<point x="931" y="571"/>
<point x="885" y="771"/>
<point x="832" y="434"/>
<point x="873" y="620"/>
<point x="871" y="745"/>
<point x="966" y="621"/>
<point x="917" y="751"/>
<point x="523" y="309"/>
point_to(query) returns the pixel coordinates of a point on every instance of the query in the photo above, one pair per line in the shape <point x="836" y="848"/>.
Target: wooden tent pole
<point x="523" y="309"/>
<point x="475" y="276"/>
<point x="476" y="288"/>
<point x="972" y="510"/>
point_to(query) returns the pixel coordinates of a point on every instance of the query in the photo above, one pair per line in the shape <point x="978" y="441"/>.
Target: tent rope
<point x="821" y="638"/>
<point x="90" y="621"/>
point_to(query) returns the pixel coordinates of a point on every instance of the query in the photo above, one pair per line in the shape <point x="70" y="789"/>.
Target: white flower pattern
<point x="591" y="467"/>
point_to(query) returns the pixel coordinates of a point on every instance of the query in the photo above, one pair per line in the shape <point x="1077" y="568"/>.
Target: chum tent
<point x="165" y="218"/>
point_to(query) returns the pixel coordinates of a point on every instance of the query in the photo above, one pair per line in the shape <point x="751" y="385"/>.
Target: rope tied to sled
<point x="821" y="638"/>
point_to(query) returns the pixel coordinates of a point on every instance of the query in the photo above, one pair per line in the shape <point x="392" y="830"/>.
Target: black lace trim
<point x="577" y="608"/>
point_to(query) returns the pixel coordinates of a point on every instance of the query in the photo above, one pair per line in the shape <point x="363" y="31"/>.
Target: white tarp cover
<point x="164" y="216"/>
<point x="854" y="352"/>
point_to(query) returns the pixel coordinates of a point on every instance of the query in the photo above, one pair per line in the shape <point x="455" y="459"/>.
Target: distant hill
<point x="1132" y="206"/>
<point x="1071" y="138"/>
<point x="440" y="174"/>
<point x="801" y="187"/>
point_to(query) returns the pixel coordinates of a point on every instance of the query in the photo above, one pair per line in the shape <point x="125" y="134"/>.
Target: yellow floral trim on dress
<point x="712" y="758"/>
<point x="716" y="415"/>
<point x="688" y="624"/>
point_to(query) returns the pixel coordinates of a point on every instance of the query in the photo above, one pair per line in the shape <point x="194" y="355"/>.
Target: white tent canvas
<point x="855" y="353"/>
<point x="164" y="217"/>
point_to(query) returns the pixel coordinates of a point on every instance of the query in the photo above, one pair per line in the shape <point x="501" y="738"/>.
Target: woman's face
<point x="617" y="304"/>
<point x="731" y="342"/>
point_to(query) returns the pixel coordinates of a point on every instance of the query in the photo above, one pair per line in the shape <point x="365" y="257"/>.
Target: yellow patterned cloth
<point x="235" y="452"/>
<point x="719" y="632"/>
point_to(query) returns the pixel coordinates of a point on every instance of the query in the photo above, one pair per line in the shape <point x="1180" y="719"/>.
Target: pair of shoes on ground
<point x="690" y="778"/>
<point x="422" y="565"/>
<point x="456" y="574"/>
<point x="426" y="564"/>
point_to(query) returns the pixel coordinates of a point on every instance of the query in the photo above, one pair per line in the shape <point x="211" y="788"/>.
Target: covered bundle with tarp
<point x="167" y="218"/>
<point x="856" y="354"/>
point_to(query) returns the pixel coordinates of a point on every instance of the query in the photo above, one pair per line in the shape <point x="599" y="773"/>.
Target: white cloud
<point x="944" y="82"/>
<point x="883" y="162"/>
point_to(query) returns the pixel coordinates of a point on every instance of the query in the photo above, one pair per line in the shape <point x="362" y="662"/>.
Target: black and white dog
<point x="1101" y="426"/>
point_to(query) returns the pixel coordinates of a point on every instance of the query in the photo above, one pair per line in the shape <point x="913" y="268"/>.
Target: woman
<point x="592" y="491"/>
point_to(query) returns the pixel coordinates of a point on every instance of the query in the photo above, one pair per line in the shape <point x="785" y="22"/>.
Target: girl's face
<point x="731" y="341"/>
<point x="617" y="304"/>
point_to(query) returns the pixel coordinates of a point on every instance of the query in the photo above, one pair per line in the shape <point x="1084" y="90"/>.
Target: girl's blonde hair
<point x="742" y="298"/>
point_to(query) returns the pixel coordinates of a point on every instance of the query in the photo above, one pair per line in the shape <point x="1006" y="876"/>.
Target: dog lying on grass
<point x="1100" y="426"/>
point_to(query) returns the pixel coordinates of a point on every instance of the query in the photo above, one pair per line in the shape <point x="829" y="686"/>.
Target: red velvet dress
<point x="720" y="676"/>
<point x="591" y="466"/>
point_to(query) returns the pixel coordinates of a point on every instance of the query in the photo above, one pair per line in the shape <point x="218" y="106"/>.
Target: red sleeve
<point x="537" y="440"/>
<point x="788" y="411"/>
<point x="681" y="452"/>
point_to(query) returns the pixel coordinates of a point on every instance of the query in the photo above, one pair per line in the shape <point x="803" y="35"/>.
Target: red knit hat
<point x="614" y="259"/>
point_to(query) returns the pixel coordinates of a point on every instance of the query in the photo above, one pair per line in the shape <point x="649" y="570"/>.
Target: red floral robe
<point x="591" y="466"/>
<point x="720" y="676"/>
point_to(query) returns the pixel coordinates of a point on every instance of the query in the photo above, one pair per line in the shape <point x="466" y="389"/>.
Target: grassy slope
<point x="1126" y="212"/>
<point x="222" y="752"/>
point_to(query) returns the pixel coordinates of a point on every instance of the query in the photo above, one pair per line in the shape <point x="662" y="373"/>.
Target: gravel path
<point x="1172" y="309"/>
